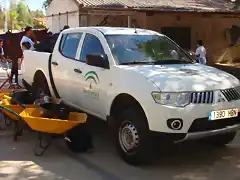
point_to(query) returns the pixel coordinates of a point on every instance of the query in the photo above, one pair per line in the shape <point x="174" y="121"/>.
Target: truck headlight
<point x="171" y="99"/>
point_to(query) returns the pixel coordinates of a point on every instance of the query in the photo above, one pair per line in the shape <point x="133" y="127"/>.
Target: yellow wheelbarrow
<point x="7" y="109"/>
<point x="18" y="126"/>
<point x="47" y="128"/>
<point x="8" y="92"/>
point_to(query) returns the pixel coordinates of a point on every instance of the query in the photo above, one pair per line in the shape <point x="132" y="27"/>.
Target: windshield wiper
<point x="137" y="62"/>
<point x="171" y="62"/>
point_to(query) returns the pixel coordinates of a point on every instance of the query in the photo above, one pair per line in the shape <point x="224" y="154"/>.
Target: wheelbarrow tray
<point x="32" y="116"/>
<point x="7" y="92"/>
<point x="6" y="103"/>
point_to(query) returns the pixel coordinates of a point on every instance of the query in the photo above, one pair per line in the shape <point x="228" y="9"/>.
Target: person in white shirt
<point x="29" y="35"/>
<point x="1" y="49"/>
<point x="201" y="53"/>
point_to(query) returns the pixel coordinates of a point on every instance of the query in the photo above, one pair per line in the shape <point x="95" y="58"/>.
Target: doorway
<point x="181" y="35"/>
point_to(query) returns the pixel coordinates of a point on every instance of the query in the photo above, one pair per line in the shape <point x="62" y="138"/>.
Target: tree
<point x="24" y="18"/>
<point x="46" y="3"/>
<point x="13" y="17"/>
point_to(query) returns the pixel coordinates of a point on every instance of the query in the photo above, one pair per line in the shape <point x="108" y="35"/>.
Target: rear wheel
<point x="40" y="86"/>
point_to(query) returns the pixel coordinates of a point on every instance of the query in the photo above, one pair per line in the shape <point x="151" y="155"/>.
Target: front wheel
<point x="132" y="137"/>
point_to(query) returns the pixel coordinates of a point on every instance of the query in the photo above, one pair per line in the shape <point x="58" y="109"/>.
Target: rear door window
<point x="69" y="45"/>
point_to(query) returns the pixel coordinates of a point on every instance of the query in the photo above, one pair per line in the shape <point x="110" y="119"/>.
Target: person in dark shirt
<point x="14" y="71"/>
<point x="48" y="44"/>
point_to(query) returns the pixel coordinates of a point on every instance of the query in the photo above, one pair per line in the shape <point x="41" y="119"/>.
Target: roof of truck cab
<point x="115" y="30"/>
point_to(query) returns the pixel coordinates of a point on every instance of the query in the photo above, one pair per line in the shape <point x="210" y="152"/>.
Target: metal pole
<point x="67" y="17"/>
<point x="129" y="21"/>
<point x="5" y="16"/>
<point x="59" y="21"/>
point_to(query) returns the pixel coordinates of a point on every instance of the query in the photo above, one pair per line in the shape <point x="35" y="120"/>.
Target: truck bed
<point x="34" y="61"/>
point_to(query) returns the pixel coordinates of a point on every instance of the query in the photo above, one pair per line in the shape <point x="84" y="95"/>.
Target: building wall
<point x="56" y="23"/>
<point x="210" y="29"/>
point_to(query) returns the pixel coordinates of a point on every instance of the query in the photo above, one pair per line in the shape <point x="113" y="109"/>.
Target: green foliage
<point x="20" y="16"/>
<point x="156" y="49"/>
<point x="46" y="3"/>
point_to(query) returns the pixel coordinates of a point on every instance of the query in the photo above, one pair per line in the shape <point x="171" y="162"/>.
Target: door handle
<point x="78" y="71"/>
<point x="55" y="63"/>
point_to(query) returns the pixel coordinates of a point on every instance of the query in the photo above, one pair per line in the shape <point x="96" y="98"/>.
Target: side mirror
<point x="98" y="60"/>
<point x="192" y="55"/>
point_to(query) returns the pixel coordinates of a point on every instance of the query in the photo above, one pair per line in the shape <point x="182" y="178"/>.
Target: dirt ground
<point x="189" y="161"/>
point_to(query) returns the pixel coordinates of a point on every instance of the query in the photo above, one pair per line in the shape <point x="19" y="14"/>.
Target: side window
<point x="91" y="45"/>
<point x="69" y="44"/>
<point x="62" y="42"/>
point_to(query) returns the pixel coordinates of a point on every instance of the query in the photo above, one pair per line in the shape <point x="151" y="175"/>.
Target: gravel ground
<point x="187" y="161"/>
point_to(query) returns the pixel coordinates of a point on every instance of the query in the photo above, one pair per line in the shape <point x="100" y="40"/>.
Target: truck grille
<point x="202" y="97"/>
<point x="231" y="94"/>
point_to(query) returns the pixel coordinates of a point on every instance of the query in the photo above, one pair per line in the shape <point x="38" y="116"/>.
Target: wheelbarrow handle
<point x="10" y="111"/>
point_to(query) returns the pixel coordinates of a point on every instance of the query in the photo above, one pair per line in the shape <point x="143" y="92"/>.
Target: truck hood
<point x="188" y="77"/>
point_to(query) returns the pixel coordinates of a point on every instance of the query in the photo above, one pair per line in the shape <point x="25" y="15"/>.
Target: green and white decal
<point x="92" y="77"/>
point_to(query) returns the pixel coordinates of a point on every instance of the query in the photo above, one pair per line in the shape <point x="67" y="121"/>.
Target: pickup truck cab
<point x="142" y="83"/>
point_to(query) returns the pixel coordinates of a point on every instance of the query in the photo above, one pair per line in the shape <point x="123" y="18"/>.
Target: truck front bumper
<point x="204" y="134"/>
<point x="194" y="118"/>
<point x="201" y="128"/>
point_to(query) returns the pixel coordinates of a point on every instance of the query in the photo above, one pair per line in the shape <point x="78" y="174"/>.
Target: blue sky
<point x="35" y="4"/>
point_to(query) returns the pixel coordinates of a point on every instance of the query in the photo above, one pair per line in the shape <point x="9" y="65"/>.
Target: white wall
<point x="62" y="6"/>
<point x="73" y="20"/>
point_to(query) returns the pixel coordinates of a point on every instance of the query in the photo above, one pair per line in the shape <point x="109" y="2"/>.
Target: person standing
<point x="30" y="37"/>
<point x="201" y="53"/>
<point x="1" y="50"/>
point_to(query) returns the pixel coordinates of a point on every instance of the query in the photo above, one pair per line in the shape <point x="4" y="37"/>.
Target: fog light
<point x="175" y="124"/>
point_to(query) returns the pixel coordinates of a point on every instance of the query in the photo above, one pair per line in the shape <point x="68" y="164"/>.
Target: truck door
<point x="64" y="65"/>
<point x="95" y="81"/>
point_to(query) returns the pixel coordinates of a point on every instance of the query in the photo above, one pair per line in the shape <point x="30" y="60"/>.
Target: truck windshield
<point x="146" y="49"/>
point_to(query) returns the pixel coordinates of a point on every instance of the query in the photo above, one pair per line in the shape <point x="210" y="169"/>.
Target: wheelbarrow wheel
<point x="79" y="139"/>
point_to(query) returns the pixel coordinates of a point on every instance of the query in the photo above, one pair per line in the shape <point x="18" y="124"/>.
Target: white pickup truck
<point x="142" y="83"/>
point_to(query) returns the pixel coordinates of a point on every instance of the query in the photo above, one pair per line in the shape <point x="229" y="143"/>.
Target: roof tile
<point x="184" y="5"/>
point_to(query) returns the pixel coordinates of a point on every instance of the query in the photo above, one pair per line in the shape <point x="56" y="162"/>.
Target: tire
<point x="221" y="140"/>
<point x="40" y="86"/>
<point x="132" y="126"/>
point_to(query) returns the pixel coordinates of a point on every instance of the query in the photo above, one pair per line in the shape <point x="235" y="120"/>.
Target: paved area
<point x="183" y="162"/>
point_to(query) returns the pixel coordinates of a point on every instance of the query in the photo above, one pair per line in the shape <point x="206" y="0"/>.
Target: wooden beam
<point x="111" y="13"/>
<point x="104" y="12"/>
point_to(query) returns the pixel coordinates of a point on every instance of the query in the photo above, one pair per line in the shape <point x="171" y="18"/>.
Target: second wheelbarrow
<point x="47" y="128"/>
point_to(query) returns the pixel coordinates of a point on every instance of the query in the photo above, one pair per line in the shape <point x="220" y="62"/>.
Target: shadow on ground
<point x="188" y="161"/>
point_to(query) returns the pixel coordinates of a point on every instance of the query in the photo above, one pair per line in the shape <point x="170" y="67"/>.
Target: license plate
<point x="223" y="114"/>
